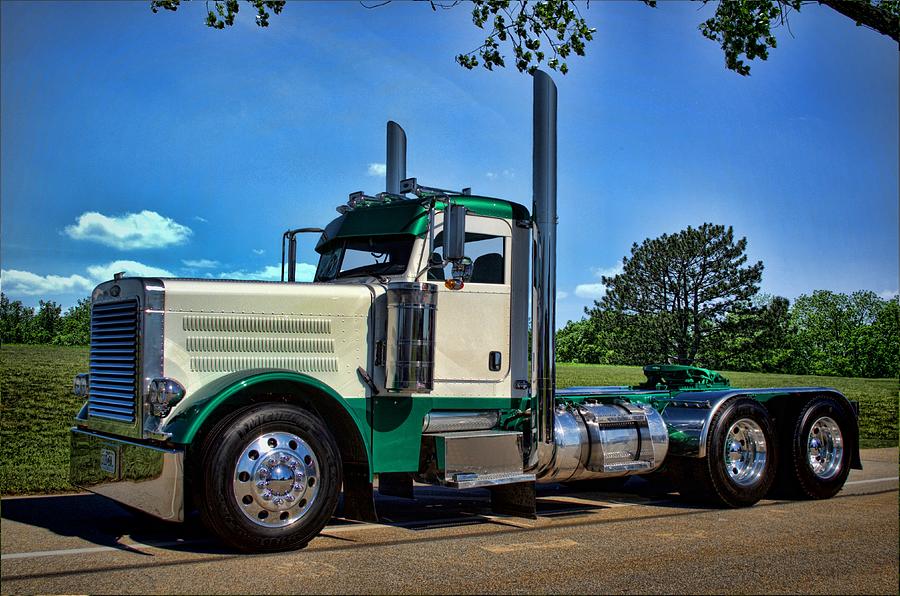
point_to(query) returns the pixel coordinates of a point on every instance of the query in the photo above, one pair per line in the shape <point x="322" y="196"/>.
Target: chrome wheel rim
<point x="825" y="448"/>
<point x="276" y="479"/>
<point x="745" y="452"/>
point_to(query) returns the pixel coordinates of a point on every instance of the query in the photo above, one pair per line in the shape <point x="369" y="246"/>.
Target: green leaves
<point x="223" y="12"/>
<point x="20" y="324"/>
<point x="541" y="32"/>
<point x="549" y="32"/>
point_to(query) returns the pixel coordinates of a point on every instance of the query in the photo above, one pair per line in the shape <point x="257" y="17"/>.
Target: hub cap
<point x="825" y="448"/>
<point x="745" y="452"/>
<point x="276" y="479"/>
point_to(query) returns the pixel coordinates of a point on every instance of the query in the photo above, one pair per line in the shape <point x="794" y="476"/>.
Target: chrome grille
<point x="111" y="393"/>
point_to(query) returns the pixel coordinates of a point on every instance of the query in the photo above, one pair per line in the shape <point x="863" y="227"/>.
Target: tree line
<point x="692" y="298"/>
<point x="825" y="333"/>
<point x="20" y="324"/>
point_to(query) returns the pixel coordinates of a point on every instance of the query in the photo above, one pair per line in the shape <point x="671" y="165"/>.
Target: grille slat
<point x="113" y="361"/>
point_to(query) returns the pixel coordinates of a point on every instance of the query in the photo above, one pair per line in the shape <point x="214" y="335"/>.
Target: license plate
<point x="108" y="460"/>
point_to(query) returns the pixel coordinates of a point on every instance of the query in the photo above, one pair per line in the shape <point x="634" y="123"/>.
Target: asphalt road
<point x="584" y="541"/>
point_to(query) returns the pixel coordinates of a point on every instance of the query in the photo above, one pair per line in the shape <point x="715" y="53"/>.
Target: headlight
<point x="163" y="394"/>
<point x="80" y="384"/>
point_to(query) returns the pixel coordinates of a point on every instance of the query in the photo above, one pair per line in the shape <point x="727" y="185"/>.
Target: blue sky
<point x="153" y="144"/>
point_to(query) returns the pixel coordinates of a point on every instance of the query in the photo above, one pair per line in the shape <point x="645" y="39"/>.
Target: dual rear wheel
<point x="746" y="457"/>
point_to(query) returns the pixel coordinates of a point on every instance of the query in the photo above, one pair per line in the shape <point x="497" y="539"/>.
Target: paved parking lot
<point x="584" y="540"/>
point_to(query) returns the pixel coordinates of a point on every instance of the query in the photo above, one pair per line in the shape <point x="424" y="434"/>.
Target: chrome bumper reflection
<point x="145" y="477"/>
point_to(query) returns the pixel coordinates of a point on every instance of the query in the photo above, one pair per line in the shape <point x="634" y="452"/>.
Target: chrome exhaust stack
<point x="396" y="157"/>
<point x="540" y="445"/>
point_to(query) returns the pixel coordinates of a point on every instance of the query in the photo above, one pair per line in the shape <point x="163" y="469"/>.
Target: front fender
<point x="189" y="415"/>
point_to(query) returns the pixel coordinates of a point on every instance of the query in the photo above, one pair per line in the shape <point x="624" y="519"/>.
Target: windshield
<point x="354" y="257"/>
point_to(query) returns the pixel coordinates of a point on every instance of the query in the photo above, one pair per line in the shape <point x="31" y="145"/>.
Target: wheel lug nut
<point x="261" y="484"/>
<point x="271" y="463"/>
<point x="289" y="498"/>
<point x="278" y="501"/>
<point x="267" y="495"/>
<point x="285" y="457"/>
<point x="297" y="486"/>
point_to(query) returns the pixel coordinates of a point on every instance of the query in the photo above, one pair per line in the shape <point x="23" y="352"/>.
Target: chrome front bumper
<point x="144" y="477"/>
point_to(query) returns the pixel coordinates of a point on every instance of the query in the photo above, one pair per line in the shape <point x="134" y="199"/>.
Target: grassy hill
<point x="37" y="406"/>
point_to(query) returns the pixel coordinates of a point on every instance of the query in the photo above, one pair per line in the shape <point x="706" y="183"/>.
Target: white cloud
<point x="560" y="295"/>
<point x="201" y="219"/>
<point x="597" y="290"/>
<point x="147" y="229"/>
<point x="102" y="273"/>
<point x="594" y="291"/>
<point x="888" y="294"/>
<point x="200" y="263"/>
<point x="26" y="283"/>
<point x="258" y="251"/>
<point x="508" y="174"/>
<point x="305" y="272"/>
<point x="377" y="169"/>
<point x="15" y="282"/>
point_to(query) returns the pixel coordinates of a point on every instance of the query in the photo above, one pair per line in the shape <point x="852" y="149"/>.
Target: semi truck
<point x="422" y="352"/>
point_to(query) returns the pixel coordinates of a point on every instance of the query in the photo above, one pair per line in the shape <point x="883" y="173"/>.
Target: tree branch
<point x="872" y="16"/>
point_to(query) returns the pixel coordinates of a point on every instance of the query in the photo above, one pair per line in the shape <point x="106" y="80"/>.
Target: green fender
<point x="188" y="416"/>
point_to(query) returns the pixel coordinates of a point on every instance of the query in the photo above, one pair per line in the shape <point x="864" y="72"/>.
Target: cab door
<point x="473" y="323"/>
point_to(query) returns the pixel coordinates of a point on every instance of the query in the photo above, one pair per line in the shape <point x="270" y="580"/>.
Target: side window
<point x="487" y="254"/>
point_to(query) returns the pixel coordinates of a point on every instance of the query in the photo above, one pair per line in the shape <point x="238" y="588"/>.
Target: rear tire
<point x="741" y="458"/>
<point x="269" y="478"/>
<point x="818" y="445"/>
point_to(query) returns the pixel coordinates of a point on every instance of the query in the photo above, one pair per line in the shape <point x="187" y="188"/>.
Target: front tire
<point x="270" y="476"/>
<point x="741" y="458"/>
<point x="818" y="449"/>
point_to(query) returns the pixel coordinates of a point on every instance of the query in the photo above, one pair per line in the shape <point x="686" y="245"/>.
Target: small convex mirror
<point x="454" y="232"/>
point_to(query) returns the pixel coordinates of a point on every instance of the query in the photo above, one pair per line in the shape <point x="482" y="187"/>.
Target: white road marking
<point x="886" y="479"/>
<point x="124" y="546"/>
<point x="53" y="553"/>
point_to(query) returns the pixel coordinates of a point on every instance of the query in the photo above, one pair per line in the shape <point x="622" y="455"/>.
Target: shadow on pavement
<point x="102" y="522"/>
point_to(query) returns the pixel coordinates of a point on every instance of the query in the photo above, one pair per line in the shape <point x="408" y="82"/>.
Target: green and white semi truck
<point x="408" y="359"/>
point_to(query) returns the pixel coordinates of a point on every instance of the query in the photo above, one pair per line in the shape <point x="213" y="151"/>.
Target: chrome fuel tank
<point x="605" y="440"/>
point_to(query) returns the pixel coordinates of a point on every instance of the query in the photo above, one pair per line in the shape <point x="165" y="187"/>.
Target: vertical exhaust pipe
<point x="396" y="157"/>
<point x="543" y="277"/>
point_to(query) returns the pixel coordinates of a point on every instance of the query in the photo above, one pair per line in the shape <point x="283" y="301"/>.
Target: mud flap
<point x="518" y="499"/>
<point x="359" y="495"/>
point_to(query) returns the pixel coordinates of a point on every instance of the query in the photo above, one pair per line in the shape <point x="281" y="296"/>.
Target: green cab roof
<point x="409" y="217"/>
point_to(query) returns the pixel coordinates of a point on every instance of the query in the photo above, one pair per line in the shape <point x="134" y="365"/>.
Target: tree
<point x="758" y="337"/>
<point x="75" y="326"/>
<point x="14" y="320"/>
<point x="682" y="286"/>
<point x="547" y="32"/>
<point x="847" y="335"/>
<point x="43" y="327"/>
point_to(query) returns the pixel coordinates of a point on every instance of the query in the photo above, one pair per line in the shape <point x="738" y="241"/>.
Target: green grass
<point x="37" y="406"/>
<point x="36" y="411"/>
